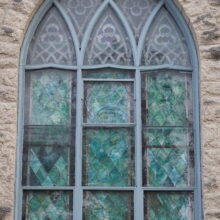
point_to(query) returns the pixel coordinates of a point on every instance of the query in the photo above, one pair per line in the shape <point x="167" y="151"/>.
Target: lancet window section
<point x="109" y="113"/>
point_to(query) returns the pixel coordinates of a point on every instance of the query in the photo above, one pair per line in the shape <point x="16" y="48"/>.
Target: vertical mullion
<point x="139" y="195"/>
<point x="78" y="192"/>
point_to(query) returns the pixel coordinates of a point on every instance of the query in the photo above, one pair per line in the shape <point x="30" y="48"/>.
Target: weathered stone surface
<point x="203" y="16"/>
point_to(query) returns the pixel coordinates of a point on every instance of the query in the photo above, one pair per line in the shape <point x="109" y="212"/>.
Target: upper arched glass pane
<point x="137" y="13"/>
<point x="109" y="42"/>
<point x="164" y="43"/>
<point x="80" y="12"/>
<point x="52" y="42"/>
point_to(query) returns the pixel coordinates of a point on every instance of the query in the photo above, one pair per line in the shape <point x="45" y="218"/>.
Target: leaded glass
<point x="167" y="137"/>
<point x="49" y="97"/>
<point x="168" y="206"/>
<point x="80" y="12"/>
<point x="47" y="205"/>
<point x="166" y="99"/>
<point x="169" y="167"/>
<point x="109" y="102"/>
<point x="108" y="157"/>
<point x="108" y="205"/>
<point x="137" y="12"/>
<point x="109" y="42"/>
<point x="52" y="42"/>
<point x="108" y="74"/>
<point x="164" y="43"/>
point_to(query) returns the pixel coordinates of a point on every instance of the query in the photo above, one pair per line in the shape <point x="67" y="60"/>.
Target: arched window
<point x="109" y="117"/>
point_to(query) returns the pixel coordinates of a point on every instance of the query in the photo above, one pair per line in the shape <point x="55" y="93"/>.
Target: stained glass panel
<point x="166" y="99"/>
<point x="108" y="205"/>
<point x="109" y="42"/>
<point x="169" y="167"/>
<point x="167" y="137"/>
<point x="137" y="12"/>
<point x="80" y="12"/>
<point x="164" y="43"/>
<point x="52" y="42"/>
<point x="49" y="97"/>
<point x="108" y="157"/>
<point x="108" y="74"/>
<point x="108" y="102"/>
<point x="47" y="153"/>
<point x="168" y="205"/>
<point x="47" y="205"/>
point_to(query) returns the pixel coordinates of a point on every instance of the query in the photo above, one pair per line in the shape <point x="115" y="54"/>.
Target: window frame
<point x="137" y="50"/>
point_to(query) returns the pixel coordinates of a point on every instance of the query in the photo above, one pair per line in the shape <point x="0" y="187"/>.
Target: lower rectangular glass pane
<point x="48" y="156"/>
<point x="168" y="206"/>
<point x="168" y="167"/>
<point x="47" y="205"/>
<point x="108" y="157"/>
<point x="99" y="205"/>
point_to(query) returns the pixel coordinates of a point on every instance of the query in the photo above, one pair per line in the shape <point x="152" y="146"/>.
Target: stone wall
<point x="203" y="17"/>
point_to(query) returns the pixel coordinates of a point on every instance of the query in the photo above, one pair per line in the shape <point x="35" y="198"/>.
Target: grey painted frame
<point x="136" y="49"/>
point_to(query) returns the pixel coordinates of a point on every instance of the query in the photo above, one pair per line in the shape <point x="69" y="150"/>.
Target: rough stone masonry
<point x="203" y="17"/>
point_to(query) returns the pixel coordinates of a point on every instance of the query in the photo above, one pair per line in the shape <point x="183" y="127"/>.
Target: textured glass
<point x="109" y="42"/>
<point x="81" y="13"/>
<point x="137" y="12"/>
<point x="48" y="97"/>
<point x="168" y="206"/>
<point x="52" y="42"/>
<point x="46" y="156"/>
<point x="108" y="102"/>
<point x="164" y="43"/>
<point x="108" y="205"/>
<point x="108" y="74"/>
<point x="108" y="157"/>
<point x="167" y="137"/>
<point x="47" y="205"/>
<point x="166" y="99"/>
<point x="168" y="167"/>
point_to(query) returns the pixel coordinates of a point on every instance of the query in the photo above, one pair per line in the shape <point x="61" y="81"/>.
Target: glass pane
<point x="109" y="42"/>
<point x="165" y="43"/>
<point x="108" y="102"/>
<point x="48" y="156"/>
<point x="166" y="99"/>
<point x="47" y="205"/>
<point x="169" y="167"/>
<point x="168" y="206"/>
<point x="108" y="157"/>
<point x="108" y="74"/>
<point x="52" y="42"/>
<point x="81" y="13"/>
<point x="108" y="205"/>
<point x="137" y="12"/>
<point x="49" y="94"/>
<point x="167" y="137"/>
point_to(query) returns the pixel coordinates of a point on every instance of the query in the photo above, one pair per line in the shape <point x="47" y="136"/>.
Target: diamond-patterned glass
<point x="47" y="205"/>
<point x="168" y="206"/>
<point x="49" y="94"/>
<point x="109" y="42"/>
<point x="52" y="42"/>
<point x="165" y="43"/>
<point x="166" y="99"/>
<point x="46" y="156"/>
<point x="167" y="137"/>
<point x="108" y="102"/>
<point x="168" y="167"/>
<point x="108" y="157"/>
<point x="108" y="205"/>
<point x="137" y="13"/>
